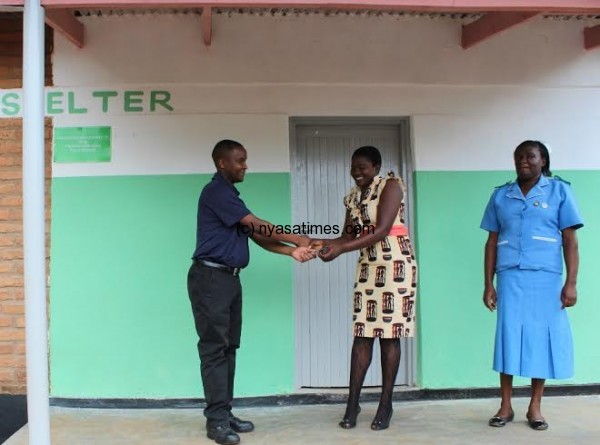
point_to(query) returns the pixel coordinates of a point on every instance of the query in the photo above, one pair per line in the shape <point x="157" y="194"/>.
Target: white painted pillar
<point x="34" y="238"/>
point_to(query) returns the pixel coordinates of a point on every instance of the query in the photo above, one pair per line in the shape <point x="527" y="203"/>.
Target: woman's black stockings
<point x="390" y="361"/>
<point x="362" y="352"/>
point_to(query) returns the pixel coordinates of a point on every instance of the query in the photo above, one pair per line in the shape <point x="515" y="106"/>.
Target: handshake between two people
<point x="311" y="248"/>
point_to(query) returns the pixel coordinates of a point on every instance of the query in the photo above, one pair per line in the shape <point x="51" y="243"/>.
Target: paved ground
<point x="573" y="420"/>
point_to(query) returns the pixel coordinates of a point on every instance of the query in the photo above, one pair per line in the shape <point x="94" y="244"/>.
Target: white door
<point x="320" y="179"/>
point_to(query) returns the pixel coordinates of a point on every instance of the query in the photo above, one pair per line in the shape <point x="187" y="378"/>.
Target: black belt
<point x="235" y="271"/>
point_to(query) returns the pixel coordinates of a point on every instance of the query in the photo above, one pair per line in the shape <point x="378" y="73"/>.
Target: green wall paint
<point x="455" y="330"/>
<point x="121" y="323"/>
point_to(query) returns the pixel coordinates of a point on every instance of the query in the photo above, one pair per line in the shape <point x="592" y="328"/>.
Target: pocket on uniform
<point x="544" y="252"/>
<point x="545" y="239"/>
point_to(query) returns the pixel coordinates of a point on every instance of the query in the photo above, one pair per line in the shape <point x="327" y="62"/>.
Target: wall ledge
<point x="323" y="398"/>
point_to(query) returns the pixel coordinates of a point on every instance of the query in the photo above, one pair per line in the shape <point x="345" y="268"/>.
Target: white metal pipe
<point x="34" y="238"/>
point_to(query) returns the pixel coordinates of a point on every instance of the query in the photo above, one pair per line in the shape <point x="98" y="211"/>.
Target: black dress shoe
<point x="382" y="424"/>
<point x="240" y="426"/>
<point x="222" y="434"/>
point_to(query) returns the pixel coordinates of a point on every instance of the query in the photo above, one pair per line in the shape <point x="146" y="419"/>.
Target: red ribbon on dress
<point x="399" y="230"/>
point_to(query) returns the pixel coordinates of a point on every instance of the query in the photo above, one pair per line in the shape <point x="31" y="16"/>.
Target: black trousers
<point x="216" y="298"/>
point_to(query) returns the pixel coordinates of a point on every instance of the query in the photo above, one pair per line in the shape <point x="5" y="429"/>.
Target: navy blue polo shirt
<point x="218" y="239"/>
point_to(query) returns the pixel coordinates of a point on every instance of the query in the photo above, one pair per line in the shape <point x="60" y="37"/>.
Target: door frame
<point x="404" y="125"/>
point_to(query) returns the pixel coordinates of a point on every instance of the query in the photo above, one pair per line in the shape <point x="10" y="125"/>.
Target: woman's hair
<point x="543" y="153"/>
<point x="369" y="152"/>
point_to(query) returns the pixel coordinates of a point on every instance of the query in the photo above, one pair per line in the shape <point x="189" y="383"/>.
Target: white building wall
<point x="469" y="108"/>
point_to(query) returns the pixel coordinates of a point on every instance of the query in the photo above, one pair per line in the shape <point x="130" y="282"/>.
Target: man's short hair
<point x="224" y="148"/>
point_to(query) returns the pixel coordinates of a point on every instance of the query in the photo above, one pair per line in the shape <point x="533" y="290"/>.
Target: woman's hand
<point x="332" y="249"/>
<point x="568" y="296"/>
<point x="489" y="297"/>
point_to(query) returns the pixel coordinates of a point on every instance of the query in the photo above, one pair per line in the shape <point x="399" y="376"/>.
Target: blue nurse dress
<point x="533" y="335"/>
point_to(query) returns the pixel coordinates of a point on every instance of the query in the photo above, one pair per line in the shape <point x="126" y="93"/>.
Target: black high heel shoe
<point x="382" y="424"/>
<point x="349" y="422"/>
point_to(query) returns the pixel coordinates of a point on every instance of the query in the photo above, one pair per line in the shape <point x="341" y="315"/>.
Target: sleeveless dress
<point x="385" y="286"/>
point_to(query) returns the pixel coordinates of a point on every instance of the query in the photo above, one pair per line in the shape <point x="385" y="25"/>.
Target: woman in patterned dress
<point x="386" y="277"/>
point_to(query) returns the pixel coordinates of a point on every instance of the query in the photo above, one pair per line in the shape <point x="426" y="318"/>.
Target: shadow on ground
<point x="13" y="414"/>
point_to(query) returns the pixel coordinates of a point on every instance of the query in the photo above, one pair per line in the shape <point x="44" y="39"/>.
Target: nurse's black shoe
<point x="499" y="421"/>
<point x="537" y="424"/>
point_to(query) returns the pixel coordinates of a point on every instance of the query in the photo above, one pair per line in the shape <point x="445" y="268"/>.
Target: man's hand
<point x="303" y="241"/>
<point x="489" y="297"/>
<point x="317" y="244"/>
<point x="303" y="254"/>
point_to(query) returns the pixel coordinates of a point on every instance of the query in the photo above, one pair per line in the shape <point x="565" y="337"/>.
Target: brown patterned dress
<point x="385" y="287"/>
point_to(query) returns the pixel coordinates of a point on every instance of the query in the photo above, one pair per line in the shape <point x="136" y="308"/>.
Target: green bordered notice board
<point x="82" y="144"/>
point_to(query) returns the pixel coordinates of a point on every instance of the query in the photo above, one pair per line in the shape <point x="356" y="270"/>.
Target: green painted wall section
<point x="455" y="330"/>
<point x="121" y="323"/>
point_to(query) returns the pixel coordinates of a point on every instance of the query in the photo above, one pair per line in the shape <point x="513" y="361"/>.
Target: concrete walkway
<point x="573" y="420"/>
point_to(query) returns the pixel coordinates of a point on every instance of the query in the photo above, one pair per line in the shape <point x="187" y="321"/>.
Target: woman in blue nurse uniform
<point x="531" y="224"/>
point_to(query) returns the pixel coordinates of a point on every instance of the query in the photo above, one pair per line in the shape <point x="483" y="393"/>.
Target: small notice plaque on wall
<point x="82" y="144"/>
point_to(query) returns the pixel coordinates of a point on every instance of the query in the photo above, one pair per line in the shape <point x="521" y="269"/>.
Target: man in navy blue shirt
<point x="224" y="226"/>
